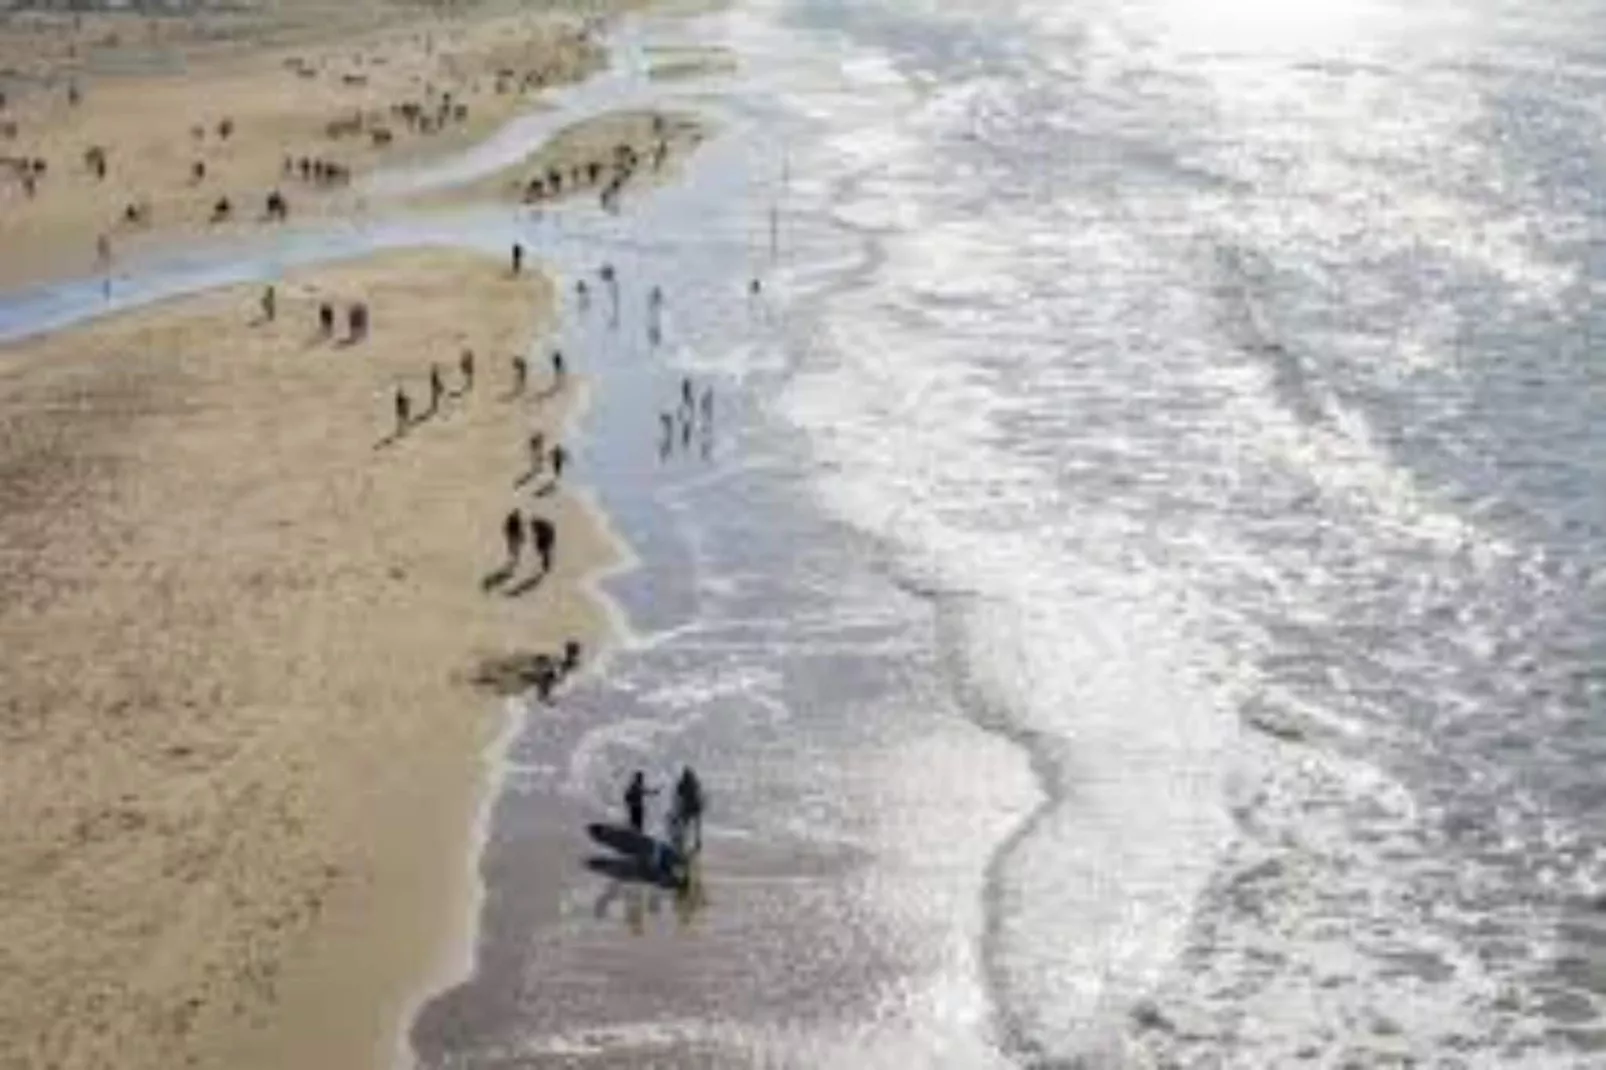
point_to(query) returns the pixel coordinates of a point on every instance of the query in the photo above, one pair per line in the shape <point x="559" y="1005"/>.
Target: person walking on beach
<point x="513" y="534"/>
<point x="558" y="370"/>
<point x="521" y="372"/>
<point x="544" y="537"/>
<point x="326" y="319"/>
<point x="465" y="364"/>
<point x="689" y="806"/>
<point x="270" y="305"/>
<point x="537" y="452"/>
<point x="560" y="457"/>
<point x="403" y="410"/>
<point x="636" y="800"/>
<point x="518" y="258"/>
<point x="437" y="388"/>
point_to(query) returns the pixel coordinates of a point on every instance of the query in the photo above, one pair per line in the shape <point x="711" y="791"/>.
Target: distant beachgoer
<point x="558" y="371"/>
<point x="655" y="299"/>
<point x="544" y="537"/>
<point x="326" y="319"/>
<point x="708" y="404"/>
<point x="685" y="393"/>
<point x="754" y="287"/>
<point x="357" y="321"/>
<point x="521" y="372"/>
<point x="513" y="534"/>
<point x="560" y="457"/>
<point x="689" y="804"/>
<point x="270" y="304"/>
<point x="571" y="656"/>
<point x="437" y="388"/>
<point x="518" y="258"/>
<point x="686" y="423"/>
<point x="583" y="294"/>
<point x="465" y="364"/>
<point x="403" y="410"/>
<point x="537" y="452"/>
<point x="636" y="800"/>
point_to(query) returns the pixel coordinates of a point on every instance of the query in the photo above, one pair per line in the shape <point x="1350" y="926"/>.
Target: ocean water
<point x="1224" y="376"/>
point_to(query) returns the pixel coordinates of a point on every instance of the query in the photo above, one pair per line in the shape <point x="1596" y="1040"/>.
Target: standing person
<point x="403" y="410"/>
<point x="326" y="319"/>
<point x="513" y="534"/>
<point x="465" y="364"/>
<point x="685" y="395"/>
<point x="544" y="537"/>
<point x="518" y="258"/>
<point x="558" y="370"/>
<point x="521" y="372"/>
<point x="270" y="304"/>
<point x="689" y="805"/>
<point x="437" y="388"/>
<point x="636" y="800"/>
<point x="537" y="452"/>
<point x="560" y="457"/>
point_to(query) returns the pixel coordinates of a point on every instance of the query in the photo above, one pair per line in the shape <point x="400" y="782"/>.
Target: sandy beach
<point x="98" y="164"/>
<point x="243" y="620"/>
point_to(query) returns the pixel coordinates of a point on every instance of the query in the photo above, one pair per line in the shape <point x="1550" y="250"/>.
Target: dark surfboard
<point x="637" y="846"/>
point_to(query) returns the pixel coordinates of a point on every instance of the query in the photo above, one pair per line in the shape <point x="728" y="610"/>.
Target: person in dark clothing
<point x="465" y="364"/>
<point x="689" y="805"/>
<point x="270" y="304"/>
<point x="403" y="410"/>
<point x="636" y="800"/>
<point x="521" y="372"/>
<point x="518" y="258"/>
<point x="437" y="388"/>
<point x="326" y="319"/>
<point x="513" y="533"/>
<point x="558" y="371"/>
<point x="544" y="537"/>
<point x="560" y="457"/>
<point x="571" y="656"/>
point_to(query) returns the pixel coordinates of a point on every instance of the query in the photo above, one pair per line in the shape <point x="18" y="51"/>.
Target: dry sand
<point x="333" y="101"/>
<point x="240" y="754"/>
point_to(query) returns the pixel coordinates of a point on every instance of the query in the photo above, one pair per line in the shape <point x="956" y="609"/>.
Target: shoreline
<point x="309" y="980"/>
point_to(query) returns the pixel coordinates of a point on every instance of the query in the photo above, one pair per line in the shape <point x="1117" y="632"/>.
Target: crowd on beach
<point x="216" y="168"/>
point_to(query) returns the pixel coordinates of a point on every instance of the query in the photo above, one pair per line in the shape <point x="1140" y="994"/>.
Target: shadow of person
<point x="494" y="579"/>
<point x="526" y="586"/>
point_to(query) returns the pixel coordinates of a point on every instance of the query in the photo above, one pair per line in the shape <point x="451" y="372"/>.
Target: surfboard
<point x="639" y="846"/>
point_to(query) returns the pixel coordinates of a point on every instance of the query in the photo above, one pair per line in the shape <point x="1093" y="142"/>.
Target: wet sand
<point x="243" y="745"/>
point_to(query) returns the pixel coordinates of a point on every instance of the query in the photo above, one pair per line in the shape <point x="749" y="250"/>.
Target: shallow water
<point x="1144" y="600"/>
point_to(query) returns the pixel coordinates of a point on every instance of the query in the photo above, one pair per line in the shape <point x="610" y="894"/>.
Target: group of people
<point x="683" y="820"/>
